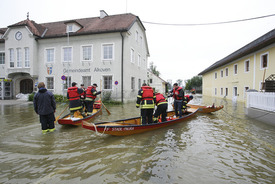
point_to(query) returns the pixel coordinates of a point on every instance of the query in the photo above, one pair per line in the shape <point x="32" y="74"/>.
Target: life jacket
<point x="160" y="99"/>
<point x="187" y="98"/>
<point x="148" y="93"/>
<point x="176" y="95"/>
<point x="89" y="93"/>
<point x="73" y="94"/>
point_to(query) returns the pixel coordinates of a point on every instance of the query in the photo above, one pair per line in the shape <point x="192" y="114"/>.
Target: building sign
<point x="76" y="70"/>
<point x="80" y="70"/>
<point x="102" y="69"/>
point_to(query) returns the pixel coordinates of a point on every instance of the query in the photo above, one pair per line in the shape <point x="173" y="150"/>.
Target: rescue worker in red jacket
<point x="73" y="95"/>
<point x="91" y="94"/>
<point x="186" y="99"/>
<point x="178" y="95"/>
<point x="162" y="104"/>
<point x="146" y="101"/>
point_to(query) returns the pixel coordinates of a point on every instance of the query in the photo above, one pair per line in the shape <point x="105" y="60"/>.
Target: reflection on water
<point x="223" y="147"/>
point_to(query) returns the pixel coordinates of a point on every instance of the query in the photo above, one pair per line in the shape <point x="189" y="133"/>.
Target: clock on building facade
<point x="18" y="35"/>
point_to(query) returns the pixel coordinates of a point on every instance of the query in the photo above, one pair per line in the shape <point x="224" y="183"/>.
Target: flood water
<point x="222" y="147"/>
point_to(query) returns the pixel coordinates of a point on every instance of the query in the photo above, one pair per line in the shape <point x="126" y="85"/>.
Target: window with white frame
<point x="215" y="91"/>
<point x="68" y="82"/>
<point x="50" y="82"/>
<point x="264" y="61"/>
<point x="50" y="55"/>
<point x="221" y="73"/>
<point x="107" y="82"/>
<point x="246" y="66"/>
<point x="226" y="72"/>
<point x="132" y="83"/>
<point x="27" y="57"/>
<point x="19" y="57"/>
<point x="216" y="75"/>
<point x="69" y="28"/>
<point x="11" y="58"/>
<point x="141" y="42"/>
<point x="139" y="60"/>
<point x="2" y="58"/>
<point x="132" y="55"/>
<point x="108" y="51"/>
<point x="139" y="83"/>
<point x="235" y="69"/>
<point x="221" y="91"/>
<point x="235" y="91"/>
<point x="226" y="91"/>
<point x="87" y="81"/>
<point x="87" y="53"/>
<point x="67" y="54"/>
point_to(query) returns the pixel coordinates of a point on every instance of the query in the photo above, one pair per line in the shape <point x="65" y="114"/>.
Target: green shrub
<point x="30" y="98"/>
<point x="58" y="98"/>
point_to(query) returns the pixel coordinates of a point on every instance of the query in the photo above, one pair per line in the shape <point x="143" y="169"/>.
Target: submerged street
<point x="222" y="147"/>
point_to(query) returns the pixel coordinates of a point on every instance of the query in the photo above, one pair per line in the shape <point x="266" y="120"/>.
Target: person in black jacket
<point x="45" y="106"/>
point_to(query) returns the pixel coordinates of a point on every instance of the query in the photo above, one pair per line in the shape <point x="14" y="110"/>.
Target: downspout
<point x="254" y="71"/>
<point x="122" y="56"/>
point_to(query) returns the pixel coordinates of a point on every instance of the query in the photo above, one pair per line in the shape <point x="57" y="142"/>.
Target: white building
<point x="157" y="83"/>
<point x="111" y="51"/>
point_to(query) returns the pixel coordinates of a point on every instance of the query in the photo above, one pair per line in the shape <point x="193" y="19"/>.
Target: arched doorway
<point x="26" y="86"/>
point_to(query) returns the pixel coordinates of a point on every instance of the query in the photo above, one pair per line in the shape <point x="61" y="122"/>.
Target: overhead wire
<point x="210" y="23"/>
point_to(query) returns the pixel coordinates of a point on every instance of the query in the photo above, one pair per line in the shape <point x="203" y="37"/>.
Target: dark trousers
<point x="178" y="106"/>
<point x="84" y="105"/>
<point x="90" y="105"/>
<point x="146" y="116"/>
<point x="161" y="110"/>
<point x="75" y="105"/>
<point x="47" y="121"/>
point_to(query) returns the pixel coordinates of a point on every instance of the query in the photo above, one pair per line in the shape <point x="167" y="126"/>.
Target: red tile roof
<point x="94" y="25"/>
<point x="35" y="28"/>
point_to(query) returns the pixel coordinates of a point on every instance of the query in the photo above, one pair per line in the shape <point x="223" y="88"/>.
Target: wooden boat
<point x="206" y="109"/>
<point x="132" y="126"/>
<point x="78" y="118"/>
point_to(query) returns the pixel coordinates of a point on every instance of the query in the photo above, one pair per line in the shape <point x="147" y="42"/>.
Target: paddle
<point x="102" y="101"/>
<point x="106" y="108"/>
<point x="61" y="113"/>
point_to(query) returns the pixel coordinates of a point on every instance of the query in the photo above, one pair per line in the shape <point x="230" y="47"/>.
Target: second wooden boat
<point x="78" y="118"/>
<point x="206" y="109"/>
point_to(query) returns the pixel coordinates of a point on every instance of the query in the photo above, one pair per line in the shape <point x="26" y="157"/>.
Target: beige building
<point x="244" y="69"/>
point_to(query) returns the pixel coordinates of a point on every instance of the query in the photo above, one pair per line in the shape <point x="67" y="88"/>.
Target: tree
<point x="179" y="81"/>
<point x="196" y="81"/>
<point x="153" y="69"/>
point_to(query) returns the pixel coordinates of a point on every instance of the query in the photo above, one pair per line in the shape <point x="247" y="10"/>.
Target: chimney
<point x="103" y="14"/>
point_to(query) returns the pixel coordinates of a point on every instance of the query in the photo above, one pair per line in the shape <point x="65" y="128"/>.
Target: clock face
<point x="18" y="35"/>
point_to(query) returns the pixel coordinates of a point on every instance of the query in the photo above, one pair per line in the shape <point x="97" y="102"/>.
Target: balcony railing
<point x="260" y="100"/>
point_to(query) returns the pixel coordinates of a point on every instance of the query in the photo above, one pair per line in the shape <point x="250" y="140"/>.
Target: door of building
<point x="26" y="86"/>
